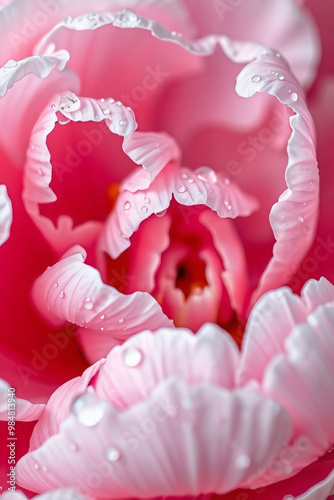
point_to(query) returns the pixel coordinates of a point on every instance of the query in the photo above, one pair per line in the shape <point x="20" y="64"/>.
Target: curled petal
<point x="178" y="458"/>
<point x="40" y="66"/>
<point x="72" y="291"/>
<point x="6" y="215"/>
<point x="293" y="218"/>
<point x="199" y="187"/>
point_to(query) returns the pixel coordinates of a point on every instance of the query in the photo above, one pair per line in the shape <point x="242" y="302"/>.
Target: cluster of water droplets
<point x="68" y="103"/>
<point x="127" y="19"/>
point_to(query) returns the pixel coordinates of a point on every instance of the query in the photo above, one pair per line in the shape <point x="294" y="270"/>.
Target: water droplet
<point x="73" y="447"/>
<point x="144" y="209"/>
<point x="92" y="17"/>
<point x="256" y="79"/>
<point x="102" y="328"/>
<point x="32" y="146"/>
<point x="102" y="100"/>
<point x="206" y="174"/>
<point x="62" y="294"/>
<point x="53" y="106"/>
<point x="88" y="304"/>
<point x="127" y="205"/>
<point x="123" y="123"/>
<point x="39" y="171"/>
<point x="227" y="205"/>
<point x="11" y="64"/>
<point x="227" y="181"/>
<point x="278" y="54"/>
<point x="162" y="213"/>
<point x="147" y="200"/>
<point x="103" y="316"/>
<point x="132" y="357"/>
<point x="36" y="466"/>
<point x="282" y="77"/>
<point x="55" y="284"/>
<point x="128" y="17"/>
<point x="180" y="189"/>
<point x="69" y="103"/>
<point x="288" y="469"/>
<point x="300" y="218"/>
<point x="288" y="497"/>
<point x="106" y="111"/>
<point x="121" y="320"/>
<point x="190" y="181"/>
<point x="242" y="462"/>
<point x="294" y="97"/>
<point x="88" y="408"/>
<point x="113" y="454"/>
<point x="184" y="176"/>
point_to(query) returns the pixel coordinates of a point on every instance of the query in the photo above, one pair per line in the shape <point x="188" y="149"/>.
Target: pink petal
<point x="72" y="291"/>
<point x="6" y="215"/>
<point x="294" y="217"/>
<point x="173" y="460"/>
<point x="231" y="251"/>
<point x="29" y="96"/>
<point x="38" y="169"/>
<point x="317" y="293"/>
<point x="270" y="323"/>
<point x="59" y="405"/>
<point x="151" y="150"/>
<point x="129" y="375"/>
<point x="63" y="494"/>
<point x="24" y="410"/>
<point x="188" y="188"/>
<point x="301" y="379"/>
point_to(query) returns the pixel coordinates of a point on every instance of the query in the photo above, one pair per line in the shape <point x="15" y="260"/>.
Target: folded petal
<point x="72" y="291"/>
<point x="199" y="187"/>
<point x="174" y="452"/>
<point x="6" y="214"/>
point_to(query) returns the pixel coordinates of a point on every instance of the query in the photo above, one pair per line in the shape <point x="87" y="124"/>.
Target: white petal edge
<point x="6" y="215"/>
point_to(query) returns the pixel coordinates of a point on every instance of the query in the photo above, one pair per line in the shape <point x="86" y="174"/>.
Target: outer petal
<point x="24" y="410"/>
<point x="178" y="458"/>
<point x="6" y="215"/>
<point x="72" y="291"/>
<point x="201" y="187"/>
<point x="63" y="494"/>
<point x="125" y="383"/>
<point x="294" y="217"/>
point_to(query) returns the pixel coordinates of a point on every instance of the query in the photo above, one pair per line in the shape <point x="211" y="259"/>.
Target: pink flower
<point x="173" y="219"/>
<point x="173" y="414"/>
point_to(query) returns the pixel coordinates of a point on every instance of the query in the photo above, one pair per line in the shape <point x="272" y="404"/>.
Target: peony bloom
<point x="185" y="222"/>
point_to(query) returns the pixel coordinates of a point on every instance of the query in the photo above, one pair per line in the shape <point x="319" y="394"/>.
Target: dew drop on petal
<point x="36" y="466"/>
<point x="123" y="123"/>
<point x="62" y="294"/>
<point x="103" y="316"/>
<point x="53" y="106"/>
<point x="55" y="284"/>
<point x="294" y="97"/>
<point x="190" y="181"/>
<point x="144" y="209"/>
<point x="288" y="497"/>
<point x="132" y="357"/>
<point x="11" y="64"/>
<point x="282" y="77"/>
<point x="39" y="171"/>
<point x="113" y="454"/>
<point x="106" y="111"/>
<point x="256" y="79"/>
<point x="128" y="17"/>
<point x="147" y="200"/>
<point x="300" y="218"/>
<point x="127" y="205"/>
<point x="88" y="409"/>
<point x="88" y="304"/>
<point x="180" y="189"/>
<point x="242" y="461"/>
<point x="184" y="176"/>
<point x="162" y="213"/>
<point x="121" y="320"/>
<point x="102" y="100"/>
<point x="206" y="174"/>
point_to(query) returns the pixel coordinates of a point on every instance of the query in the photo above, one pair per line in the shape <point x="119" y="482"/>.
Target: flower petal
<point x="24" y="410"/>
<point x="200" y="187"/>
<point x="72" y="291"/>
<point x="151" y="150"/>
<point x="167" y="353"/>
<point x="294" y="217"/>
<point x="173" y="460"/>
<point x="59" y="405"/>
<point x="6" y="214"/>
